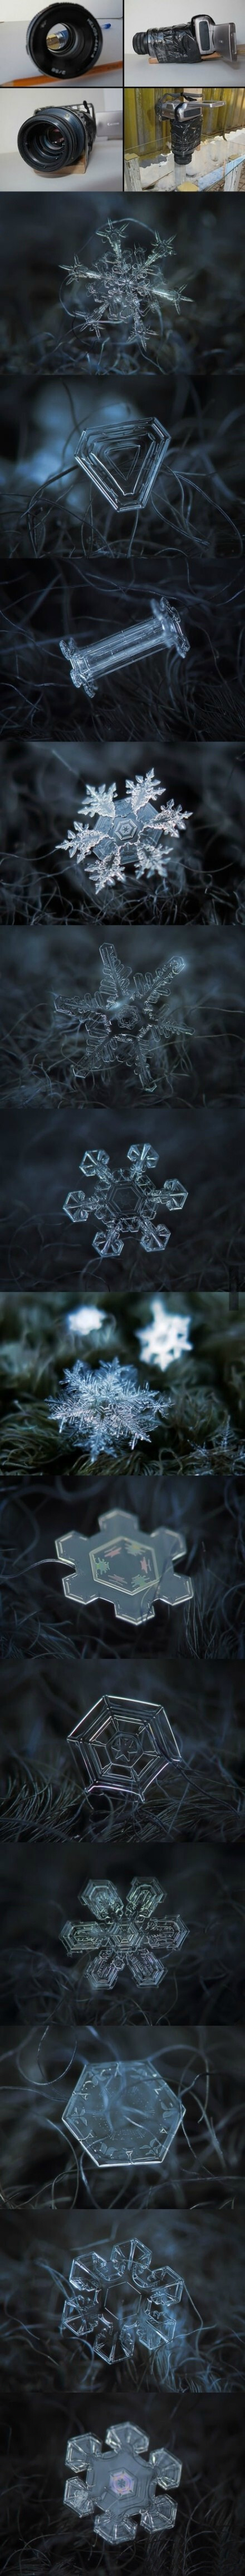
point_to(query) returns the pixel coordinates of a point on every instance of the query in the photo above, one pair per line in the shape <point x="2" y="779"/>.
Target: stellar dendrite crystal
<point x="124" y="461"/>
<point x="128" y="1021"/>
<point x="126" y="1566"/>
<point x="124" y="1934"/>
<point x="124" y="287"/>
<point x="127" y="1201"/>
<point x="123" y="1746"/>
<point x="113" y="833"/>
<point x="123" y="2113"/>
<point x="118" y="2300"/>
<point x="93" y="663"/>
<point x="104" y="1407"/>
<point x="124" y="2489"/>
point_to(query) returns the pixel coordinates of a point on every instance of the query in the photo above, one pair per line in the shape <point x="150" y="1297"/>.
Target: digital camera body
<point x="54" y="142"/>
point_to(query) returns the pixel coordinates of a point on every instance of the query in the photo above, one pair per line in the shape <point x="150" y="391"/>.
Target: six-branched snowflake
<point x="124" y="1934"/>
<point x="115" y="832"/>
<point x="127" y="1201"/>
<point x="102" y="1407"/>
<point x="124" y="288"/>
<point x="129" y="1018"/>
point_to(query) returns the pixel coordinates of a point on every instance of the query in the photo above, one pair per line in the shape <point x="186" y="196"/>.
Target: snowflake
<point x="102" y="1407"/>
<point x="124" y="1934"/>
<point x="119" y="2300"/>
<point x="124" y="287"/>
<point x="166" y="1336"/>
<point x="121" y="2482"/>
<point x="112" y="833"/>
<point x="130" y="1018"/>
<point x="125" y="1200"/>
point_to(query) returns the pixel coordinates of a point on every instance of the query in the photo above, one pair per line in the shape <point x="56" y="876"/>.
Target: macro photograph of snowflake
<point x="157" y="1381"/>
<point x="122" y="1294"/>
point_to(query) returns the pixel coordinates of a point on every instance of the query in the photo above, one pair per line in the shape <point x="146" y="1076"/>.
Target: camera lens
<point x="51" y="142"/>
<point x="66" y="47"/>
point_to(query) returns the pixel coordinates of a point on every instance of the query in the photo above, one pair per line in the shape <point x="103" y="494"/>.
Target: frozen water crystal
<point x="128" y="1021"/>
<point x="124" y="287"/>
<point x="118" y="2300"/>
<point x="112" y="2487"/>
<point x="124" y="462"/>
<point x="113" y="833"/>
<point x="123" y="2113"/>
<point x="127" y="1201"/>
<point x="127" y="644"/>
<point x="127" y="1566"/>
<point x="124" y="1934"/>
<point x="101" y="1407"/>
<point x="123" y="1746"/>
<point x="166" y="1336"/>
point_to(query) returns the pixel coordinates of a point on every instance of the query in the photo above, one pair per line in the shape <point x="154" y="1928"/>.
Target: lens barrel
<point x="55" y="139"/>
<point x="77" y="42"/>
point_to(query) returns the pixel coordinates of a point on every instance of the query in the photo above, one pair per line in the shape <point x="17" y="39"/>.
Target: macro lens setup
<point x="54" y="139"/>
<point x="64" y="48"/>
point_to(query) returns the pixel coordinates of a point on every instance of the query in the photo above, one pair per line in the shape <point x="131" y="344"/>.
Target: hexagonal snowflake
<point x="115" y="832"/>
<point x="102" y="1407"/>
<point x="111" y="2496"/>
<point x="126" y="1201"/>
<point x="124" y="1935"/>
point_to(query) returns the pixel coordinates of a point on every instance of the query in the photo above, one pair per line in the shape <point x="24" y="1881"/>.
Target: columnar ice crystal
<point x="128" y="1020"/>
<point x="124" y="287"/>
<point x="124" y="2489"/>
<point x="91" y="665"/>
<point x="103" y="1407"/>
<point x="123" y="2113"/>
<point x="119" y="2300"/>
<point x="124" y="1934"/>
<point x="113" y="833"/>
<point x="127" y="1201"/>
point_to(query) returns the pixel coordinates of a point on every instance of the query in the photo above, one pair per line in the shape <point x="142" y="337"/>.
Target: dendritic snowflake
<point x="102" y="1407"/>
<point x="118" y="2301"/>
<point x="112" y="833"/>
<point x="124" y="288"/>
<point x="129" y="1019"/>
<point x="127" y="1201"/>
<point x="124" y="1935"/>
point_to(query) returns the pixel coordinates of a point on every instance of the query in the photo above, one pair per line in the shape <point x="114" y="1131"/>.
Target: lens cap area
<point x="64" y="47"/>
<point x="55" y="139"/>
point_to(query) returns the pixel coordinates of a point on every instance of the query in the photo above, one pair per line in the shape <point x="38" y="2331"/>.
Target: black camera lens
<point x="51" y="141"/>
<point x="64" y="47"/>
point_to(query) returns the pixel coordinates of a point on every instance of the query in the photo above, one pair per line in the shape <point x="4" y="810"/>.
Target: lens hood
<point x="64" y="45"/>
<point x="55" y="139"/>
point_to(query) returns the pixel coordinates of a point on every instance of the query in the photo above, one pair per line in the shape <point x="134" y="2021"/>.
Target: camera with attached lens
<point x="56" y="138"/>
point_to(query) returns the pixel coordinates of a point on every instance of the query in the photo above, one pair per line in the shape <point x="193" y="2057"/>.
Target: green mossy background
<point x="204" y="1429"/>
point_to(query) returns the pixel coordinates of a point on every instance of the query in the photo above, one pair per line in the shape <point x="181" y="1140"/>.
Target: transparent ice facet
<point x="123" y="2114"/>
<point x="123" y="1746"/>
<point x="115" y="832"/>
<point x="124" y="1935"/>
<point x="126" y="2486"/>
<point x="124" y="462"/>
<point x="129" y="644"/>
<point x="128" y="1202"/>
<point x="104" y="1407"/>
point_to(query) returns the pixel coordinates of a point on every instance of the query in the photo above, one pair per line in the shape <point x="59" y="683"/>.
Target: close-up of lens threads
<point x="122" y="1292"/>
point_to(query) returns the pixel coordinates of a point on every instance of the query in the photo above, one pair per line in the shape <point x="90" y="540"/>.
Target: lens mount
<point x="76" y="45"/>
<point x="55" y="139"/>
